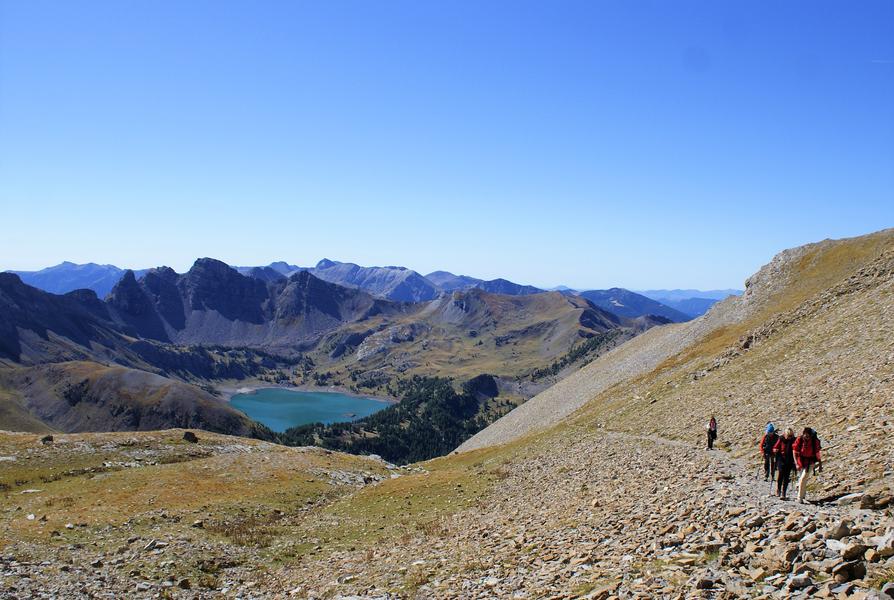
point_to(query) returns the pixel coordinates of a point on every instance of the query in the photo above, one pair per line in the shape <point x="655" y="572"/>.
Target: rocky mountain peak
<point x="128" y="296"/>
<point x="327" y="264"/>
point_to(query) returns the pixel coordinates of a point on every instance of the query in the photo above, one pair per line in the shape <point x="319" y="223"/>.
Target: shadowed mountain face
<point x="210" y="304"/>
<point x="31" y="320"/>
<point x="629" y="304"/>
<point x="214" y="304"/>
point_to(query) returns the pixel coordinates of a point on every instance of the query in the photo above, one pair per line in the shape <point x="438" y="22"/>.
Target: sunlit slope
<point x="818" y="351"/>
<point x="795" y="280"/>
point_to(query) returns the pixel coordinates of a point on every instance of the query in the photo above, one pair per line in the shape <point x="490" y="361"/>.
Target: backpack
<point x="770" y="440"/>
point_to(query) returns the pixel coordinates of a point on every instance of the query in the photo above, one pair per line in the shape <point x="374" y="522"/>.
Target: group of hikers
<point x="782" y="455"/>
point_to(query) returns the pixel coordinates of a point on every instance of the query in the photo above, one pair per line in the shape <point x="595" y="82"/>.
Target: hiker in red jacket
<point x="785" y="461"/>
<point x="768" y="442"/>
<point x="807" y="453"/>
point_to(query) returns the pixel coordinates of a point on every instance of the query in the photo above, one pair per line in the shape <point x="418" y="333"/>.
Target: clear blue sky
<point x="639" y="144"/>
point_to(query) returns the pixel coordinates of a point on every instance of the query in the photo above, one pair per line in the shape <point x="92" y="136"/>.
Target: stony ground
<point x="142" y="514"/>
<point x="591" y="513"/>
<point x="601" y="514"/>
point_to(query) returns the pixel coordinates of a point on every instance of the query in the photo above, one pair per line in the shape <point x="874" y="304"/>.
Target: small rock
<point x="842" y="529"/>
<point x="853" y="551"/>
<point x="198" y="524"/>
<point x="47" y="439"/>
<point x="849" y="570"/>
<point x="799" y="582"/>
<point x="849" y="498"/>
<point x="704" y="583"/>
<point x="184" y="584"/>
<point x="867" y="501"/>
<point x="888" y="590"/>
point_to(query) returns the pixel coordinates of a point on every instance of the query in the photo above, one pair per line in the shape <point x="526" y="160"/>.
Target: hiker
<point x="712" y="432"/>
<point x="785" y="461"/>
<point x="807" y="453"/>
<point x="768" y="442"/>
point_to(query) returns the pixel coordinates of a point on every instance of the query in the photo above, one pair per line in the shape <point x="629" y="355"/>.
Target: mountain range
<point x="395" y="283"/>
<point x="213" y="323"/>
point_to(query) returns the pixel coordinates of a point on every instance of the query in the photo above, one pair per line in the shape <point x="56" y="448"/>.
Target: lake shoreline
<point x="227" y="391"/>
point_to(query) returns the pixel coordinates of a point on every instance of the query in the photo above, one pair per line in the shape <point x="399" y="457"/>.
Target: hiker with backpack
<point x="712" y="432"/>
<point x="768" y="443"/>
<point x="807" y="454"/>
<point x="785" y="461"/>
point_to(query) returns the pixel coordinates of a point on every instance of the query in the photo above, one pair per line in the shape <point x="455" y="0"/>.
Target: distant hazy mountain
<point x="449" y="282"/>
<point x="266" y="272"/>
<point x="662" y="295"/>
<point x="503" y="286"/>
<point x="394" y="283"/>
<point x="630" y="304"/>
<point x="67" y="276"/>
<point x="691" y="302"/>
<point x="694" y="307"/>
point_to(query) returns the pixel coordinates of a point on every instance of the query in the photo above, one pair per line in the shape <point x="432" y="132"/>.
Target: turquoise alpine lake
<point x="280" y="408"/>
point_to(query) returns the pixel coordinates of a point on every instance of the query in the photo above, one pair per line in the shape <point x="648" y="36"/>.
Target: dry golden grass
<point x="210" y="480"/>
